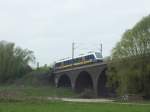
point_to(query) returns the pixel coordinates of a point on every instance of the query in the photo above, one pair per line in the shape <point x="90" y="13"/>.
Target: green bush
<point x="38" y="77"/>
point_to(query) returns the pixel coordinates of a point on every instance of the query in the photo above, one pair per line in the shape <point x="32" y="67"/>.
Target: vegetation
<point x="57" y="106"/>
<point x="19" y="93"/>
<point x="14" y="61"/>
<point x="37" y="77"/>
<point x="129" y="69"/>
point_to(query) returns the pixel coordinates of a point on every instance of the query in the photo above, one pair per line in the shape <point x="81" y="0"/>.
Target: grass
<point x="34" y="91"/>
<point x="19" y="99"/>
<point x="56" y="106"/>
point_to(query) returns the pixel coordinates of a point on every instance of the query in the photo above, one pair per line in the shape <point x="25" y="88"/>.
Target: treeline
<point x="129" y="64"/>
<point x="14" y="61"/>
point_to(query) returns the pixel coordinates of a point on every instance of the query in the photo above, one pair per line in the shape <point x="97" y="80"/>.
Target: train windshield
<point x="98" y="55"/>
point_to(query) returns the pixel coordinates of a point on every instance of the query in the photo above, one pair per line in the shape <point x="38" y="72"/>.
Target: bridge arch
<point x="102" y="90"/>
<point x="64" y="81"/>
<point x="83" y="81"/>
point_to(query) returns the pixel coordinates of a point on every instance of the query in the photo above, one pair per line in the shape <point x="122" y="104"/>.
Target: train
<point x="92" y="57"/>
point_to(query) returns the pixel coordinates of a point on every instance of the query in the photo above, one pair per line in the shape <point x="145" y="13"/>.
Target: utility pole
<point x="73" y="48"/>
<point x="38" y="65"/>
<point x="101" y="49"/>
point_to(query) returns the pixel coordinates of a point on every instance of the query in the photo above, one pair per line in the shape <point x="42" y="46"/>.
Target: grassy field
<point x="57" y="106"/>
<point x="34" y="91"/>
<point x="29" y="98"/>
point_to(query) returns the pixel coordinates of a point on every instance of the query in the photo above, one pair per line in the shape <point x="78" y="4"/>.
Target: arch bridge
<point x="91" y="77"/>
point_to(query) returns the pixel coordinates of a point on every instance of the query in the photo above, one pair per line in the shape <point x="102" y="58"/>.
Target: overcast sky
<point x="48" y="27"/>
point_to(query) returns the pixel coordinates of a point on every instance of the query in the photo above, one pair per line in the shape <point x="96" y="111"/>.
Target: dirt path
<point x="93" y="101"/>
<point x="81" y="100"/>
<point x="87" y="100"/>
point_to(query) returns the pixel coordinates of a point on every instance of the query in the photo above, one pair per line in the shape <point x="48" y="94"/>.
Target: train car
<point x="79" y="61"/>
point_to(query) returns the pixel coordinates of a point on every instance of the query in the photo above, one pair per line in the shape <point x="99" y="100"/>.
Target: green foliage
<point x="129" y="69"/>
<point x="35" y="78"/>
<point x="13" y="61"/>
<point x="134" y="42"/>
<point x="23" y="92"/>
<point x="44" y="69"/>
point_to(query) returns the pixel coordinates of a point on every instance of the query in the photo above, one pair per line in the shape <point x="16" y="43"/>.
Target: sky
<point x="48" y="27"/>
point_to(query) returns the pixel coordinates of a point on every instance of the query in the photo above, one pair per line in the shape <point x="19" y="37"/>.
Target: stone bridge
<point x="91" y="77"/>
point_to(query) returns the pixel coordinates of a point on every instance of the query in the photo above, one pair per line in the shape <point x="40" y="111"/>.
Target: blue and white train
<point x="79" y="61"/>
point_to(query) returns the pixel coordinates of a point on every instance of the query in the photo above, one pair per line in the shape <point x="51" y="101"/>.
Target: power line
<point x="86" y="47"/>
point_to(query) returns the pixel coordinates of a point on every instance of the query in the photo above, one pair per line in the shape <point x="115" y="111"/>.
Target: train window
<point x="58" y="64"/>
<point x="66" y="62"/>
<point x="80" y="59"/>
<point x="70" y="62"/>
<point x="92" y="57"/>
<point x="86" y="57"/>
<point x="77" y="60"/>
<point x="89" y="57"/>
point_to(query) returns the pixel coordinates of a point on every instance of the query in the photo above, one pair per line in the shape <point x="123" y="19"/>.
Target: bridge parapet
<point x="81" y="67"/>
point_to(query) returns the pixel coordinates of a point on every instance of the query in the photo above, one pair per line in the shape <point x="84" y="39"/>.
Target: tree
<point x="130" y="66"/>
<point x="14" y="61"/>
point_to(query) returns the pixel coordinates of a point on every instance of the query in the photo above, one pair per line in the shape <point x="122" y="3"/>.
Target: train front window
<point x="98" y="55"/>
